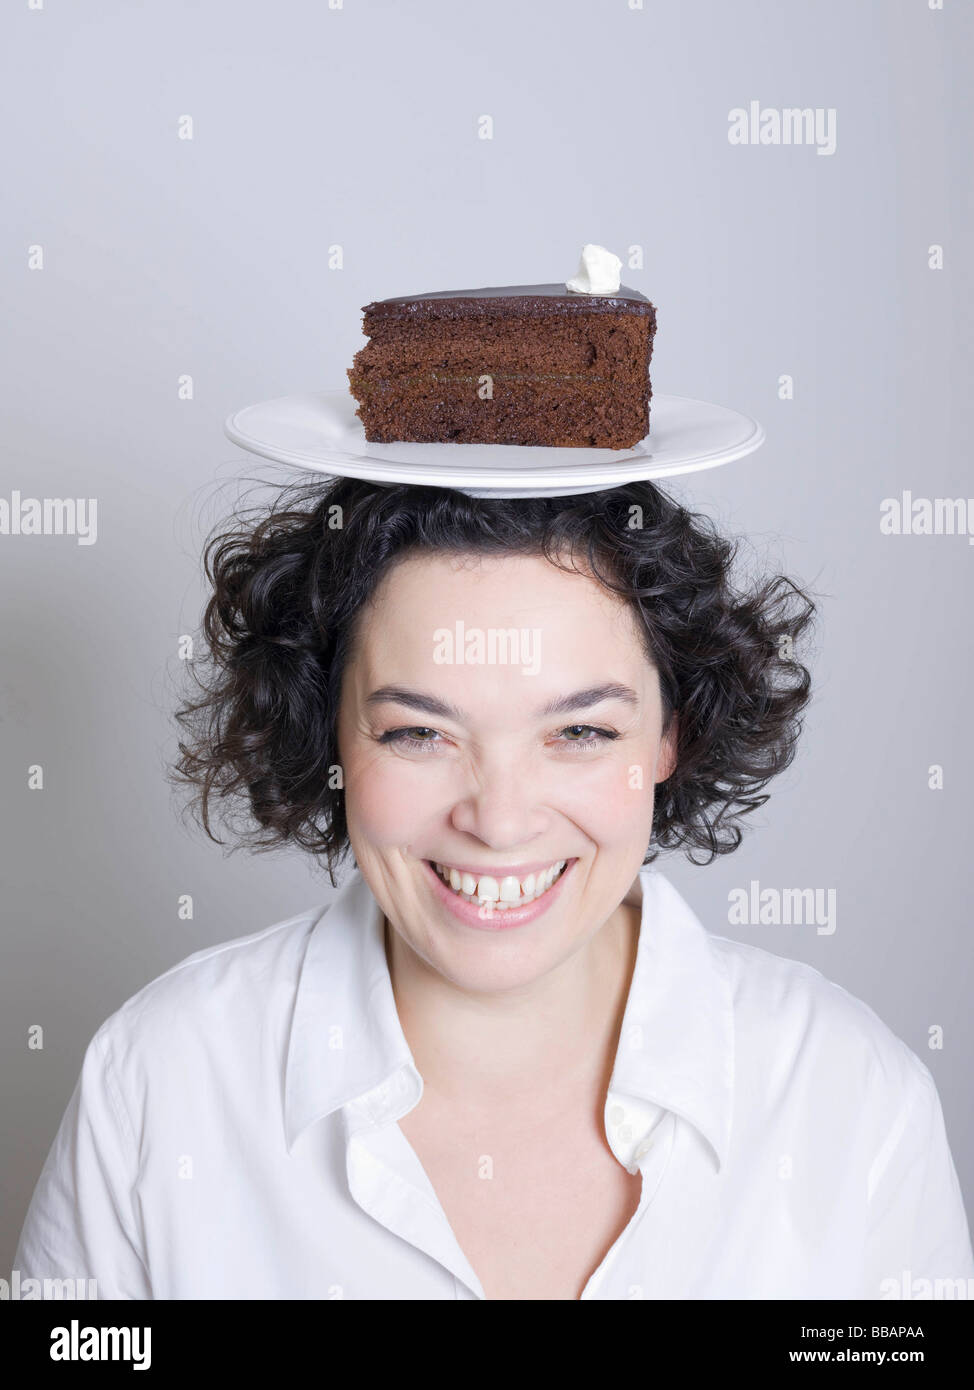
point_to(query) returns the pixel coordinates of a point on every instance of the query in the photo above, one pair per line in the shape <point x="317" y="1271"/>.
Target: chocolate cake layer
<point x="530" y="364"/>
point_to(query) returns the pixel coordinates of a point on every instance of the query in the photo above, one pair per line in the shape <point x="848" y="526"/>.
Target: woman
<point x="507" y="1061"/>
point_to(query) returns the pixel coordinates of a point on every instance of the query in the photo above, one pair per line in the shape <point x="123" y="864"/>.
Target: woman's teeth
<point x="502" y="893"/>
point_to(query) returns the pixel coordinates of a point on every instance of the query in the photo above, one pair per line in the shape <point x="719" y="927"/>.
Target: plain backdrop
<point x="356" y="127"/>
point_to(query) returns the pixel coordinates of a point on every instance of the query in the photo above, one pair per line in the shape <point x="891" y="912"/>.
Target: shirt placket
<point x="641" y="1136"/>
<point x="388" y="1182"/>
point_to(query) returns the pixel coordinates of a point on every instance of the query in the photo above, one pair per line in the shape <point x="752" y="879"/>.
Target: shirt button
<point x="616" y="1114"/>
<point x="644" y="1148"/>
<point x="625" y="1133"/>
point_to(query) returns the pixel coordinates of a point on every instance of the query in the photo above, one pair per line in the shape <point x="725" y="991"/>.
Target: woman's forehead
<point x="516" y="634"/>
<point x="504" y="589"/>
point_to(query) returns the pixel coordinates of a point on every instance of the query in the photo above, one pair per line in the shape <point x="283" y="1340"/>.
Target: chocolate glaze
<point x="524" y="299"/>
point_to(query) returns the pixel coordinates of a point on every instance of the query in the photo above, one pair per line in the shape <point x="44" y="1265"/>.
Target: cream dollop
<point x="598" y="272"/>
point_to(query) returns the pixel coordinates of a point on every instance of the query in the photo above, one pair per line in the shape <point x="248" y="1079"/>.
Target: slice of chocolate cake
<point x="512" y="364"/>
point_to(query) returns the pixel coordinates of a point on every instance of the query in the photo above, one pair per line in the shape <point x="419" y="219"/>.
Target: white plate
<point x="322" y="432"/>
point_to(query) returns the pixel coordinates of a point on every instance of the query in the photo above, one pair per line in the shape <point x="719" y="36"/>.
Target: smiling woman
<point x="506" y="1061"/>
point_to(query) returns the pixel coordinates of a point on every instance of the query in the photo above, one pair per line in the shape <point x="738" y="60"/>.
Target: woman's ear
<point x="666" y="761"/>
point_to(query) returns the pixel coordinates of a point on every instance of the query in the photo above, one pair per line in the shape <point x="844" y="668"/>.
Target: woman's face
<point x="498" y="718"/>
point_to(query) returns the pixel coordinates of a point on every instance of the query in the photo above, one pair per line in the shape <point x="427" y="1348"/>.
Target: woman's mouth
<point x="500" y="894"/>
<point x="491" y="902"/>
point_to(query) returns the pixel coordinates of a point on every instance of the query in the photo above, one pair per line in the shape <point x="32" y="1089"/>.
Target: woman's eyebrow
<point x="562" y="704"/>
<point x="593" y="695"/>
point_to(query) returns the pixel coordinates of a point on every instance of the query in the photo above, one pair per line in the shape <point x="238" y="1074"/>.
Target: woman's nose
<point x="501" y="806"/>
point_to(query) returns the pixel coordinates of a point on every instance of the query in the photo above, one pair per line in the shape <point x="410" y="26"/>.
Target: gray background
<point x="358" y="126"/>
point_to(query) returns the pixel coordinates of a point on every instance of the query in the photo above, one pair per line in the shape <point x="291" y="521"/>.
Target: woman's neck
<point x="555" y="1038"/>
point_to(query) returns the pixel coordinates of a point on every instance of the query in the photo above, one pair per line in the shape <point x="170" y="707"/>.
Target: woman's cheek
<point x="387" y="798"/>
<point x="612" y="802"/>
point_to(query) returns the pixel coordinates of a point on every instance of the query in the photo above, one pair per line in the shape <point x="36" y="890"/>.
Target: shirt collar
<point x="676" y="1045"/>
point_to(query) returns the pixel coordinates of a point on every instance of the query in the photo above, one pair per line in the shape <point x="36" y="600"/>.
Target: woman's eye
<point x="410" y="738"/>
<point x="597" y="736"/>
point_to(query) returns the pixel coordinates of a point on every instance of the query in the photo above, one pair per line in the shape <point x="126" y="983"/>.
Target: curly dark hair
<point x="289" y="579"/>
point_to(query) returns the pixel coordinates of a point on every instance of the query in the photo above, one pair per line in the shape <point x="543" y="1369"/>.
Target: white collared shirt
<point x="234" y="1133"/>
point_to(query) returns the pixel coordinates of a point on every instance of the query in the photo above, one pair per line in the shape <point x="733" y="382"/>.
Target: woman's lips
<point x="486" y="918"/>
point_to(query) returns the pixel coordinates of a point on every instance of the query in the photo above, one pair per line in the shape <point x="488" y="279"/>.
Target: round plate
<point x="322" y="432"/>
